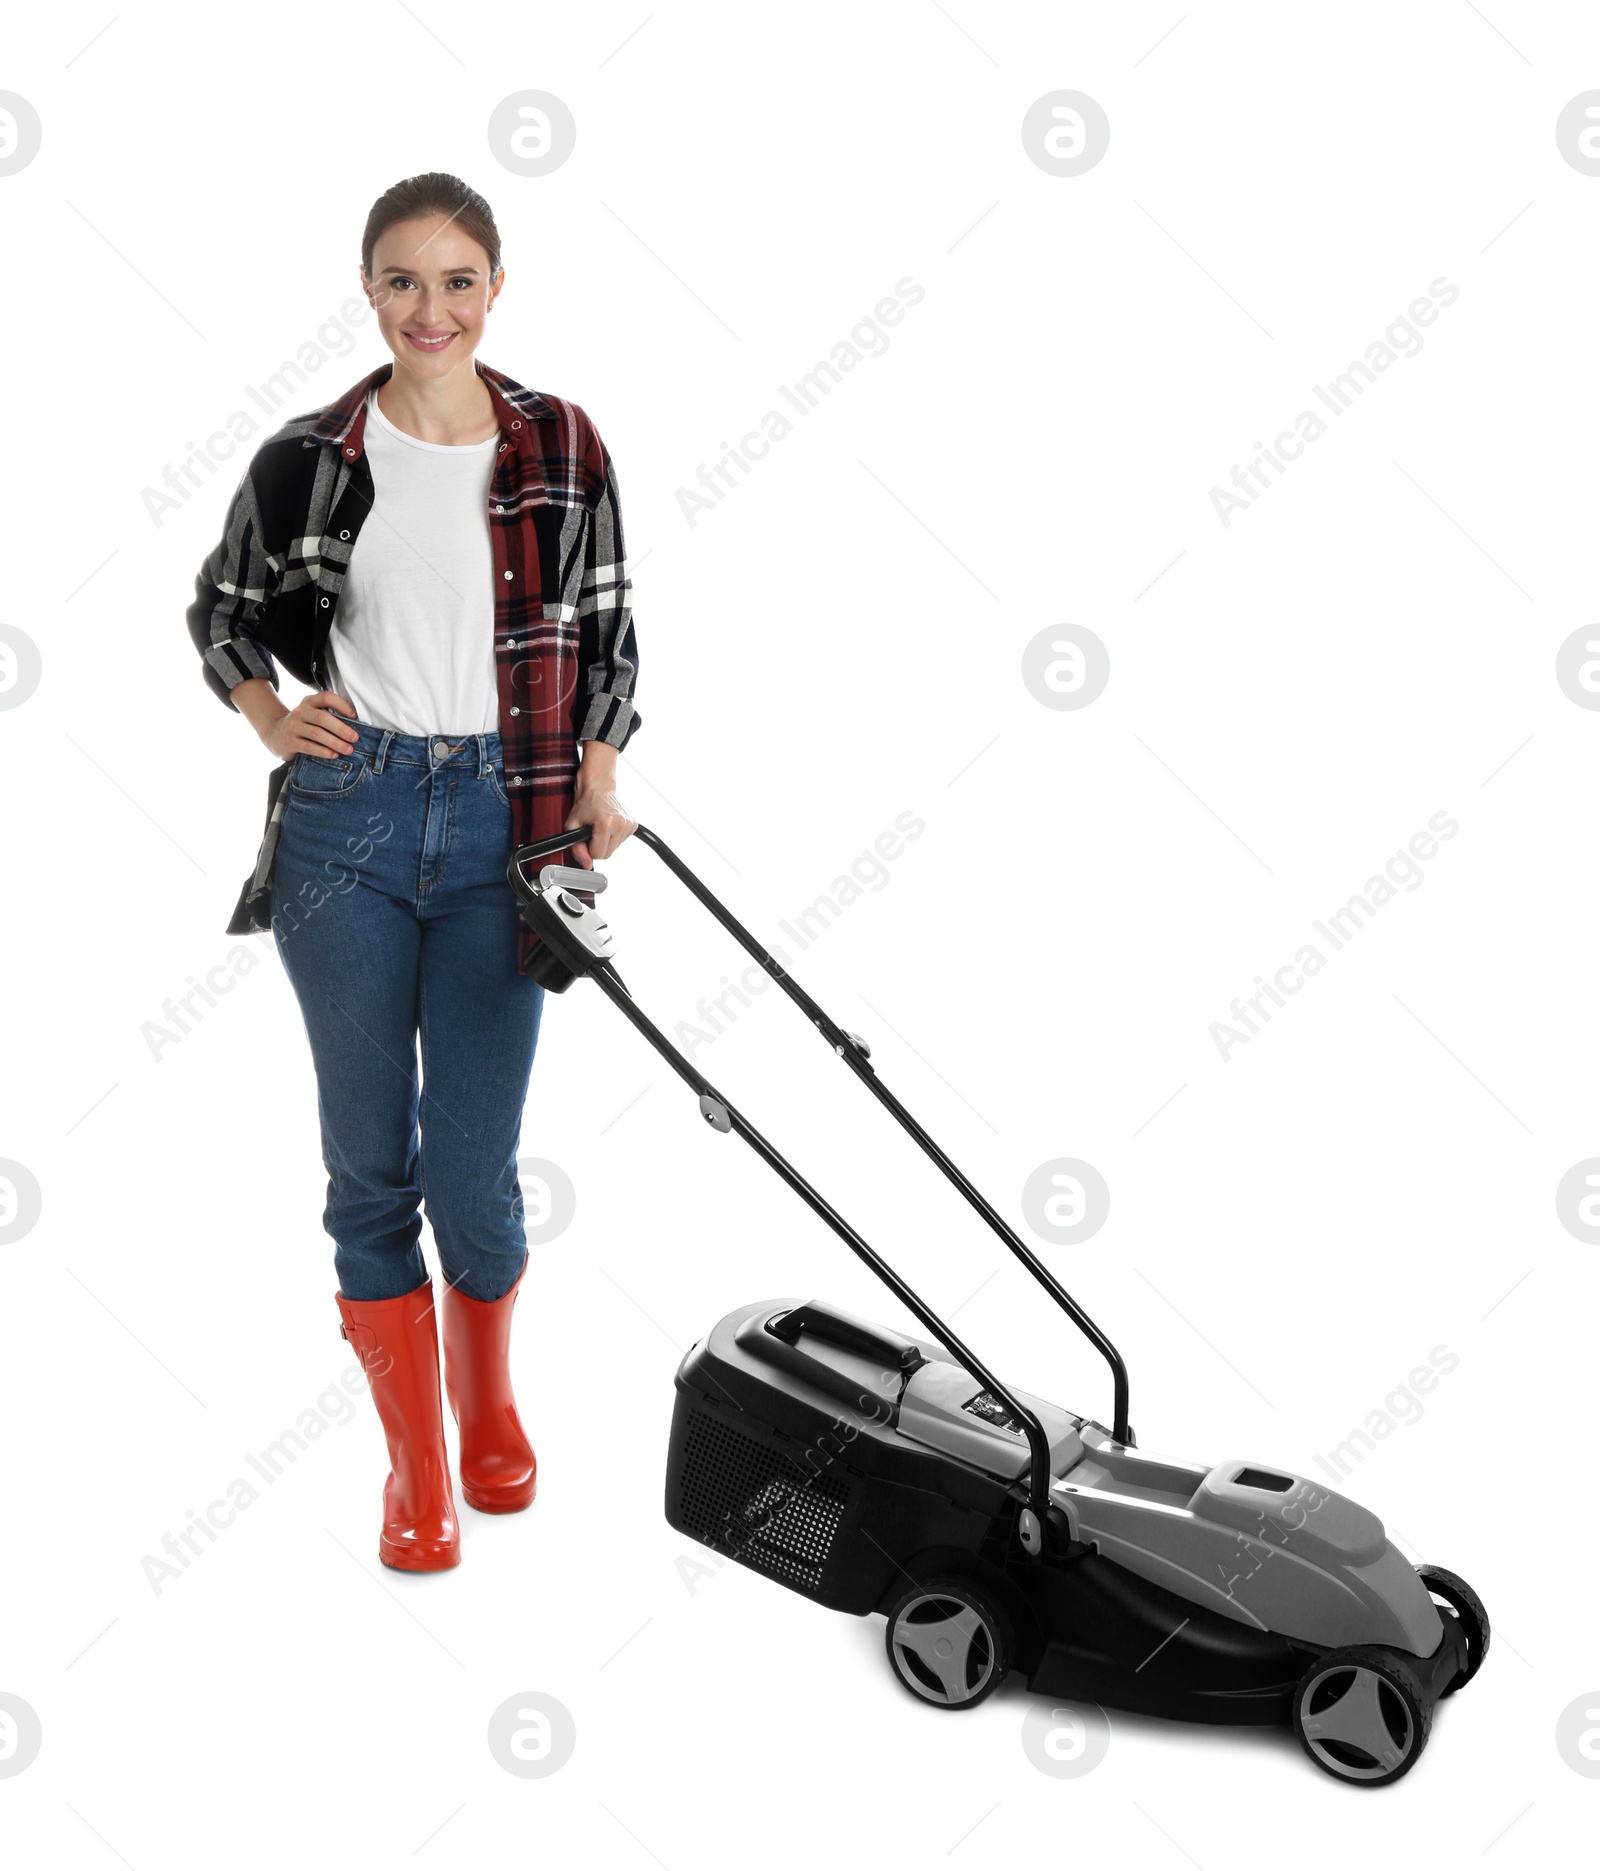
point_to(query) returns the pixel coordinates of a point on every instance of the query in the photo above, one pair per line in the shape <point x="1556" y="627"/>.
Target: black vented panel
<point x="755" y="1504"/>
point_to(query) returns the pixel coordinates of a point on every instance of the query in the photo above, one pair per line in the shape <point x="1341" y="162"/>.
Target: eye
<point x="399" y="280"/>
<point x="464" y="283"/>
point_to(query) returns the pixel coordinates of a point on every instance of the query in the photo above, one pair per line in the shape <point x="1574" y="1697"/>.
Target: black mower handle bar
<point x="547" y="847"/>
<point x="853" y="1050"/>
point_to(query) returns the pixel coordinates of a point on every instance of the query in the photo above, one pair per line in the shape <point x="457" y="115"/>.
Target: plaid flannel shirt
<point x="565" y="657"/>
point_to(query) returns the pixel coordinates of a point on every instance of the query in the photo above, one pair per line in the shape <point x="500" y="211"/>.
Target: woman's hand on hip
<point x="311" y="727"/>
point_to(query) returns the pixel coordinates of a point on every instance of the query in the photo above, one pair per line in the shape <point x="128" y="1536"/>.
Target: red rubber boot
<point x="498" y="1472"/>
<point x="397" y="1343"/>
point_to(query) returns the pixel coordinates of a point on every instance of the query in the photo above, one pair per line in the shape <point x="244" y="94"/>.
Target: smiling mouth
<point x="431" y="341"/>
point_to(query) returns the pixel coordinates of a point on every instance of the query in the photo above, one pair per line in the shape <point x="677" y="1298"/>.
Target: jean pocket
<point x="497" y="781"/>
<point x="316" y="776"/>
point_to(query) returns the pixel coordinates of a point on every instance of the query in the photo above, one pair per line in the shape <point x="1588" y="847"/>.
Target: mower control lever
<point x="569" y="877"/>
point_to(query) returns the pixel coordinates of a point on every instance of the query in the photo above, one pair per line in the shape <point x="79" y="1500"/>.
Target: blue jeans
<point x="394" y="919"/>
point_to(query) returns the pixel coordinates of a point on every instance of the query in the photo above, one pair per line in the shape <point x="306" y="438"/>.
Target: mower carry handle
<point x="849" y="1333"/>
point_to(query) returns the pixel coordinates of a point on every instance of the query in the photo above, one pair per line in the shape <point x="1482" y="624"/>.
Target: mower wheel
<point x="949" y="1642"/>
<point x="1468" y="1607"/>
<point x="1361" y="1715"/>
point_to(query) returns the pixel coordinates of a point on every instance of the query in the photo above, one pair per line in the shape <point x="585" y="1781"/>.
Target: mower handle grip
<point x="547" y="847"/>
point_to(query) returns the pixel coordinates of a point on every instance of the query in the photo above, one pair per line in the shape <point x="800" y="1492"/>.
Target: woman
<point x="438" y="555"/>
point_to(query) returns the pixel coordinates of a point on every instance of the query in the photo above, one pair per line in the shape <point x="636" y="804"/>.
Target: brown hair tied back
<point x="420" y="196"/>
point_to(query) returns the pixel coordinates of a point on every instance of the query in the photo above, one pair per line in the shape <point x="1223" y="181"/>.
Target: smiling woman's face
<point x="431" y="288"/>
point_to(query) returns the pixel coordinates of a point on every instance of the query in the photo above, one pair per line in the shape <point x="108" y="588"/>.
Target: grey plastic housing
<point x="1300" y="1560"/>
<point x="584" y="925"/>
<point x="932" y="1412"/>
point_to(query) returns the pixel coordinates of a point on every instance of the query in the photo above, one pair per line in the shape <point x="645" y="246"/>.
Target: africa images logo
<point x="1403" y="872"/>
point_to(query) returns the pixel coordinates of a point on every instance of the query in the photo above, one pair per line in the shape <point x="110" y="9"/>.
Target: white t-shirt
<point x="412" y="646"/>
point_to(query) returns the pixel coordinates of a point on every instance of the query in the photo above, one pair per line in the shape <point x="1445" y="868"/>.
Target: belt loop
<point x="485" y="764"/>
<point x="383" y="750"/>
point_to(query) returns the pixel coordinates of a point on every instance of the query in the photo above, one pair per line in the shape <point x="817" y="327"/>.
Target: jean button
<point x="441" y="750"/>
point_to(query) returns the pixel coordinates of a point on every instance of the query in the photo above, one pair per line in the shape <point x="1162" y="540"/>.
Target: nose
<point x="431" y="309"/>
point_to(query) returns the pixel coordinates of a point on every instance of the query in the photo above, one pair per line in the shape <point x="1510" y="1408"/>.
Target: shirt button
<point x="345" y="533"/>
<point x="508" y="574"/>
<point x="351" y="453"/>
<point x="516" y="711"/>
<point x="499" y="509"/>
<point x="516" y="425"/>
<point x="324" y="603"/>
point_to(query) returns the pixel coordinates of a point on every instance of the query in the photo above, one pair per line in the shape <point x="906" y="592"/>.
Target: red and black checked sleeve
<point x="608" y="654"/>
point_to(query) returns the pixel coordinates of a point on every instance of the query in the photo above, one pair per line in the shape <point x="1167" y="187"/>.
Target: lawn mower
<point x="878" y="1470"/>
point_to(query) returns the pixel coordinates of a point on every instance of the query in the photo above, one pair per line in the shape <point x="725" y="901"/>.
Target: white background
<point x="1291" y="698"/>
